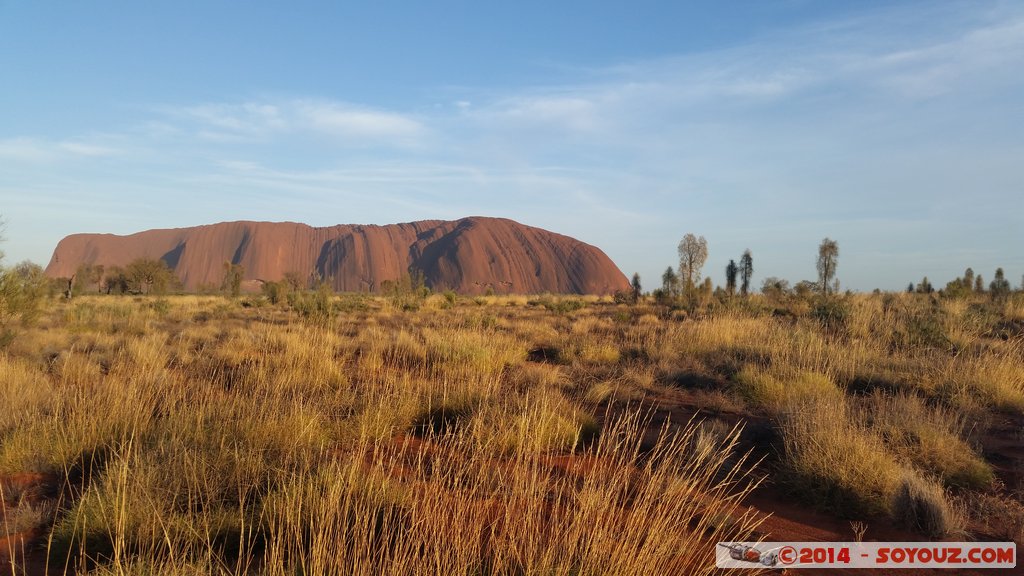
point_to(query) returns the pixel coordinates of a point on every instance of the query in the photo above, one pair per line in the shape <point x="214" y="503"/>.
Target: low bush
<point x="316" y="307"/>
<point x="22" y="291"/>
<point x="832" y="313"/>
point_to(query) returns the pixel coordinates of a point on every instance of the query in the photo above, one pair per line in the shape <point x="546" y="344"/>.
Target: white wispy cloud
<point x="248" y="117"/>
<point x="862" y="57"/>
<point x="24" y="150"/>
<point x="935" y="69"/>
<point x="87" y="149"/>
<point x="347" y="121"/>
<point x="265" y="120"/>
<point x="576" y="112"/>
<point x="42" y="150"/>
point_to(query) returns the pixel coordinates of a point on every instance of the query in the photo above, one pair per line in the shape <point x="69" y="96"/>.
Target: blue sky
<point x="895" y="128"/>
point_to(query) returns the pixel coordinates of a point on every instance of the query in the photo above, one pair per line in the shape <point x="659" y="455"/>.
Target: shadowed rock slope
<point x="467" y="255"/>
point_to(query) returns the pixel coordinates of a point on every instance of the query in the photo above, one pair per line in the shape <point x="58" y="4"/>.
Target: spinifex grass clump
<point x="921" y="505"/>
<point x="459" y="510"/>
<point x="834" y="461"/>
<point x="930" y="437"/>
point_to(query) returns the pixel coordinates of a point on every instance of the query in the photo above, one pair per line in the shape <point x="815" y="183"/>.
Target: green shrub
<point x="449" y="298"/>
<point x="408" y="292"/>
<point x="561" y="306"/>
<point x="276" y="292"/>
<point x="161" y="306"/>
<point x="22" y="291"/>
<point x="926" y="330"/>
<point x="832" y="313"/>
<point x="315" y="307"/>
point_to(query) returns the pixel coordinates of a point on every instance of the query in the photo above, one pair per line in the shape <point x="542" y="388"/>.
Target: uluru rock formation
<point x="468" y="255"/>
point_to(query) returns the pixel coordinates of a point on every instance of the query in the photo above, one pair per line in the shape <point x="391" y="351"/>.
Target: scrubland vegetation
<point x="198" y="434"/>
<point x="302" y="432"/>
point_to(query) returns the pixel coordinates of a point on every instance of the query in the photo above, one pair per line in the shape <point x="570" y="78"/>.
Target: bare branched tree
<point x="693" y="252"/>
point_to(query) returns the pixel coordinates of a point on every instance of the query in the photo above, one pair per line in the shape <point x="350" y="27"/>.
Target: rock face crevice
<point x="468" y="255"/>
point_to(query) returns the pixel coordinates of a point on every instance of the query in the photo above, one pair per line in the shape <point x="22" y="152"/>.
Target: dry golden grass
<point x="475" y="436"/>
<point x="201" y="436"/>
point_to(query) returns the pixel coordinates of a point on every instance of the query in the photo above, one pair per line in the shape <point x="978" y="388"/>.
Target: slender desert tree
<point x="730" y="277"/>
<point x="670" y="282"/>
<point x="635" y="285"/>
<point x="828" y="259"/>
<point x="746" y="271"/>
